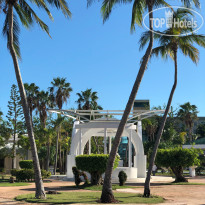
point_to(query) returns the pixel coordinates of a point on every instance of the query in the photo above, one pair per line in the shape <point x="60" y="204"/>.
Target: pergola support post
<point x="105" y="140"/>
<point x="130" y="148"/>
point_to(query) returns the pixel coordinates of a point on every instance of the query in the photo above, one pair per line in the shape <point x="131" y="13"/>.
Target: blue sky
<point x="104" y="57"/>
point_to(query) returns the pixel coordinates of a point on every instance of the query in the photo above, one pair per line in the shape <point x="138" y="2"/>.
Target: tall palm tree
<point x="60" y="93"/>
<point x="87" y="100"/>
<point x="16" y="10"/>
<point x="43" y="103"/>
<point x="188" y="114"/>
<point x="32" y="92"/>
<point x="139" y="6"/>
<point x="138" y="9"/>
<point x="169" y="45"/>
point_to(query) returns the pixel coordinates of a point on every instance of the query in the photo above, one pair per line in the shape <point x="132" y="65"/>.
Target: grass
<point x="99" y="187"/>
<point x="6" y="184"/>
<point x="89" y="197"/>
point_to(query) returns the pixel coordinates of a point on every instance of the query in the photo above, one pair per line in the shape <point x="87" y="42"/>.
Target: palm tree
<point x="31" y="92"/>
<point x="188" y="114"/>
<point x="169" y="46"/>
<point x="87" y="100"/>
<point x="43" y="102"/>
<point x="139" y="6"/>
<point x="60" y="93"/>
<point x="27" y="16"/>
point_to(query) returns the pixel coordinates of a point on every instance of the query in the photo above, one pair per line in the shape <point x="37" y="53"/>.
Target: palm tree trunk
<point x="60" y="156"/>
<point x="160" y="131"/>
<point x="107" y="194"/>
<point x="56" y="155"/>
<point x="40" y="192"/>
<point x="48" y="156"/>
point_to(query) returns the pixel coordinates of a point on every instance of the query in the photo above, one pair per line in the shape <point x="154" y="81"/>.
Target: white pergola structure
<point x="100" y="123"/>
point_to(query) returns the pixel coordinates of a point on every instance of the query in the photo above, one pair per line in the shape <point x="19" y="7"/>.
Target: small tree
<point x="177" y="159"/>
<point x="95" y="164"/>
<point x="15" y="119"/>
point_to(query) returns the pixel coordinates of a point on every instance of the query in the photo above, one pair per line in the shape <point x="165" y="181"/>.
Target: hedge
<point x="26" y="164"/>
<point x="95" y="164"/>
<point x="28" y="174"/>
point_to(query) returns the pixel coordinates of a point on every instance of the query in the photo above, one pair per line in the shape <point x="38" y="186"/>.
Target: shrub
<point x="45" y="174"/>
<point x="199" y="170"/>
<point x="26" y="164"/>
<point x="2" y="170"/>
<point x="122" y="178"/>
<point x="176" y="159"/>
<point x="13" y="172"/>
<point x="25" y="175"/>
<point x="76" y="173"/>
<point x="95" y="164"/>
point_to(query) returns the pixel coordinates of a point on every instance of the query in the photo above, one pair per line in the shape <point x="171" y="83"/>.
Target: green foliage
<point x="45" y="174"/>
<point x="28" y="174"/>
<point x="76" y="173"/>
<point x="201" y="129"/>
<point x="26" y="164"/>
<point x="2" y="170"/>
<point x="25" y="175"/>
<point x="13" y="172"/>
<point x="122" y="178"/>
<point x="177" y="157"/>
<point x="95" y="164"/>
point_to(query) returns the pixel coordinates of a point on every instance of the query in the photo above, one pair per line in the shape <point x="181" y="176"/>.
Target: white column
<point x="130" y="149"/>
<point x="110" y="144"/>
<point x="105" y="140"/>
<point x="89" y="152"/>
<point x="139" y="129"/>
<point x="80" y="143"/>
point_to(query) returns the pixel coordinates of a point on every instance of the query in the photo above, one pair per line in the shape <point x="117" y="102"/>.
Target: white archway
<point x="83" y="132"/>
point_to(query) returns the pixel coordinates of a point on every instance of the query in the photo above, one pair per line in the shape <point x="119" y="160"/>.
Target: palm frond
<point x="42" y="4"/>
<point x="107" y="7"/>
<point x="191" y="51"/>
<point x="25" y="17"/>
<point x="16" y="31"/>
<point x="33" y="15"/>
<point x="61" y="4"/>
<point x="137" y="13"/>
<point x="188" y="3"/>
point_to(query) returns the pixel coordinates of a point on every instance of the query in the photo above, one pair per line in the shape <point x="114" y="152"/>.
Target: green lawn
<point x="88" y="197"/>
<point x="99" y="187"/>
<point x="5" y="184"/>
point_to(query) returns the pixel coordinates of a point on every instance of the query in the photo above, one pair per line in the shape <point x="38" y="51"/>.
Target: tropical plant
<point x="14" y="11"/>
<point x="177" y="159"/>
<point x="60" y="93"/>
<point x="201" y="129"/>
<point x="31" y="92"/>
<point x="188" y="114"/>
<point x="139" y="6"/>
<point x="170" y="43"/>
<point x="95" y="164"/>
<point x="15" y="119"/>
<point x="87" y="100"/>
